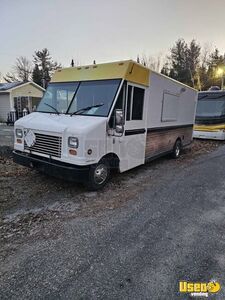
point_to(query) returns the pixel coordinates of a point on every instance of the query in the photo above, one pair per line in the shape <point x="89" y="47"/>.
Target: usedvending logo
<point x="199" y="289"/>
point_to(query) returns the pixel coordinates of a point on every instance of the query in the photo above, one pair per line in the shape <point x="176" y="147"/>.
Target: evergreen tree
<point x="183" y="62"/>
<point x="193" y="60"/>
<point x="46" y="65"/>
<point x="178" y="58"/>
<point x="37" y="75"/>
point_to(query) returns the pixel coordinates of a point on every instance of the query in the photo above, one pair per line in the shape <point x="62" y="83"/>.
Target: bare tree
<point x="207" y="49"/>
<point x="23" y="68"/>
<point x="202" y="71"/>
<point x="21" y="71"/>
<point x="150" y="61"/>
<point x="10" y="77"/>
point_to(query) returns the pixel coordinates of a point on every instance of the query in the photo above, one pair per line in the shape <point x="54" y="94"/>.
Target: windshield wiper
<point x="52" y="107"/>
<point x="86" y="108"/>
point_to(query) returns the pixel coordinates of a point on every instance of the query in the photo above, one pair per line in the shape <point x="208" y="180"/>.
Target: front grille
<point x="46" y="144"/>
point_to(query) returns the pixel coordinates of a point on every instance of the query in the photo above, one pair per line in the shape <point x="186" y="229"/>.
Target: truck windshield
<point x="211" y="107"/>
<point x="74" y="96"/>
<point x="58" y="97"/>
<point x="98" y="95"/>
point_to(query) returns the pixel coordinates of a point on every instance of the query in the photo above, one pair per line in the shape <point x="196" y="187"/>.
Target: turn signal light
<point x="72" y="152"/>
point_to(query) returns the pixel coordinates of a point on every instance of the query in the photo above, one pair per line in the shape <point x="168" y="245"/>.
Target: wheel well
<point x="178" y="139"/>
<point x="113" y="160"/>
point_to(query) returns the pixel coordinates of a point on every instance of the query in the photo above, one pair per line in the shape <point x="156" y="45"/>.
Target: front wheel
<point x="176" y="149"/>
<point x="99" y="175"/>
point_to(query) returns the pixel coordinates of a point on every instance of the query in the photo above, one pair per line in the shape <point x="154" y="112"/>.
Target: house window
<point x="135" y="103"/>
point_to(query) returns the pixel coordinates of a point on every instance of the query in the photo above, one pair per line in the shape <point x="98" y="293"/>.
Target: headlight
<point x="73" y="142"/>
<point x="19" y="133"/>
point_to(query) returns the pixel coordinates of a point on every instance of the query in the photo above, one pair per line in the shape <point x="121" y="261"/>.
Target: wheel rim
<point x="100" y="174"/>
<point x="177" y="151"/>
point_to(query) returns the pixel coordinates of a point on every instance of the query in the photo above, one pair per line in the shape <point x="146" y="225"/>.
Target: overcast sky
<point x="105" y="30"/>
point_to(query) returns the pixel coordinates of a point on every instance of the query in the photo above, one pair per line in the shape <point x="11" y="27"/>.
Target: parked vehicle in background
<point x="210" y="115"/>
<point x="98" y="117"/>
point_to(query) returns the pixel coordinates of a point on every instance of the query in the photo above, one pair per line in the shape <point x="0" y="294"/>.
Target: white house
<point x="18" y="95"/>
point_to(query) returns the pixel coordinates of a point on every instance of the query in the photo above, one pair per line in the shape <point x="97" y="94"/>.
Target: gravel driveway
<point x="148" y="229"/>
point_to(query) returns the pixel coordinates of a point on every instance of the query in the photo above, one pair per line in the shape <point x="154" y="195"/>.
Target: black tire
<point x="177" y="149"/>
<point x="99" y="175"/>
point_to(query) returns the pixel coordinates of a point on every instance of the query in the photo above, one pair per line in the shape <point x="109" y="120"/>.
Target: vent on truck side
<point x="46" y="144"/>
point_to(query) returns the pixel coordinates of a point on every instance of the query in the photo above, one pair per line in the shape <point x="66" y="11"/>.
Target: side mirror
<point x="119" y="117"/>
<point x="119" y="129"/>
<point x="119" y="121"/>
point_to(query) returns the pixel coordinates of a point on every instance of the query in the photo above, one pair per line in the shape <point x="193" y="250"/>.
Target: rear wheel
<point x="176" y="149"/>
<point x="99" y="175"/>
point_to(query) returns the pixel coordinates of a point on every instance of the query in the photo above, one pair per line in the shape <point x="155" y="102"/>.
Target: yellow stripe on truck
<point x="129" y="70"/>
<point x="209" y="127"/>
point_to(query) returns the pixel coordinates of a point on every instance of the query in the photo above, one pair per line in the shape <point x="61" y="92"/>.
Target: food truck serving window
<point x="75" y="97"/>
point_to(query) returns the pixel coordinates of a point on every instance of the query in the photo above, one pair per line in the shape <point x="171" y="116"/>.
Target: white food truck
<point x="98" y="117"/>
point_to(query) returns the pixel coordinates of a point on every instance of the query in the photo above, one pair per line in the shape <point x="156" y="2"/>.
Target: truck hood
<point x="59" y="123"/>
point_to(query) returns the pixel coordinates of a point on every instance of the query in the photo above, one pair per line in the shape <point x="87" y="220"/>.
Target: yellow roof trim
<point x="129" y="70"/>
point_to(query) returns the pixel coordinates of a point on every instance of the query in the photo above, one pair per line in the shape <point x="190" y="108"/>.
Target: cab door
<point x="129" y="146"/>
<point x="134" y="138"/>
